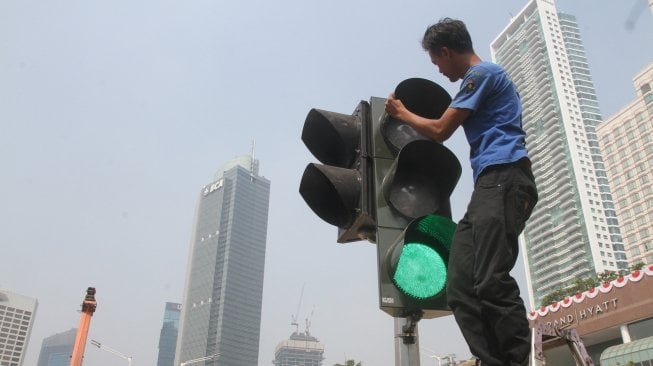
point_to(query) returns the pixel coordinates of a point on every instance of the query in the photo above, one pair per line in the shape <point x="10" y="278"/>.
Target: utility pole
<point x="407" y="341"/>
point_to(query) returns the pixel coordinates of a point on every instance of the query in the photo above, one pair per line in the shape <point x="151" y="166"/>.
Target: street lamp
<point x="450" y="358"/>
<point x="111" y="350"/>
<point x="205" y="358"/>
<point x="434" y="355"/>
<point x="439" y="358"/>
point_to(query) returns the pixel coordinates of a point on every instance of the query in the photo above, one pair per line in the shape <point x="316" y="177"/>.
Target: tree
<point x="350" y="363"/>
<point x="608" y="276"/>
<point x="584" y="284"/>
<point x="637" y="266"/>
<point x="554" y="296"/>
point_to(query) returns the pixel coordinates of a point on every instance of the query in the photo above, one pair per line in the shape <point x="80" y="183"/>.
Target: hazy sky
<point x="114" y="114"/>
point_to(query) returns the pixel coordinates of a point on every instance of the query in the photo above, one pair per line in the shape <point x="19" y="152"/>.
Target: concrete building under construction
<point x="301" y="349"/>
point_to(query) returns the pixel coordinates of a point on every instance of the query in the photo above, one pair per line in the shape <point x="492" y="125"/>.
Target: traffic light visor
<point x="333" y="193"/>
<point x="420" y="96"/>
<point x="421" y="179"/>
<point x="333" y="138"/>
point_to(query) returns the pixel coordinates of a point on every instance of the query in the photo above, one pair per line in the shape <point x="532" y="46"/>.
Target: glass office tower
<point x="221" y="307"/>
<point x="573" y="232"/>
<point x="168" y="337"/>
<point x="56" y="349"/>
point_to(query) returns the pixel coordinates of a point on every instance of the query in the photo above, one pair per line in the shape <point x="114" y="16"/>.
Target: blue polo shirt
<point x="494" y="128"/>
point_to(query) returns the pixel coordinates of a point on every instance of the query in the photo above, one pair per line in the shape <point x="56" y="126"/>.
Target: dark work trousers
<point x="483" y="296"/>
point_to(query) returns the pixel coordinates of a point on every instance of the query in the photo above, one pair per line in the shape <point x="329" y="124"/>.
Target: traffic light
<point x="383" y="182"/>
<point x="413" y="180"/>
<point x="339" y="191"/>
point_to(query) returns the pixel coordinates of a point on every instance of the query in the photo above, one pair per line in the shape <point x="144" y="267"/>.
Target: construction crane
<point x="307" y="320"/>
<point x="111" y="350"/>
<point x="294" y="316"/>
<point x="88" y="308"/>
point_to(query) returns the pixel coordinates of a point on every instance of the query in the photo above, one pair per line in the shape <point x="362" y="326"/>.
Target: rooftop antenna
<point x="251" y="168"/>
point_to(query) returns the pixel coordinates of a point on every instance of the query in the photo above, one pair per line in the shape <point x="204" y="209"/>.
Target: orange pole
<point x="88" y="308"/>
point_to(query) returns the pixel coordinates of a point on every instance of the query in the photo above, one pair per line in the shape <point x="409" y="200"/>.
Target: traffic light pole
<point x="407" y="340"/>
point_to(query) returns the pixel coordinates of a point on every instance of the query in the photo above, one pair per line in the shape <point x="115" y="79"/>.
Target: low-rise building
<point x="608" y="318"/>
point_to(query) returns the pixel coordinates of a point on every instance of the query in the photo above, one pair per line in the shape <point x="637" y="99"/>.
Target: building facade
<point x="221" y="307"/>
<point x="56" y="349"/>
<point x="301" y="349"/>
<point x="573" y="231"/>
<point x="17" y="314"/>
<point x="614" y="321"/>
<point x="627" y="144"/>
<point x="168" y="336"/>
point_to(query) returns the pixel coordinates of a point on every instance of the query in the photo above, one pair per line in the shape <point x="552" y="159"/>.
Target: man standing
<point x="484" y="297"/>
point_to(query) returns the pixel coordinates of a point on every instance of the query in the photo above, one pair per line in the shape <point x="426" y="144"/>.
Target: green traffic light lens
<point x="436" y="228"/>
<point x="421" y="271"/>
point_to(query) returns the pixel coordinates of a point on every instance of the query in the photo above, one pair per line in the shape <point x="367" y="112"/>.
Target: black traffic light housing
<point x="339" y="190"/>
<point x="383" y="182"/>
<point x="413" y="179"/>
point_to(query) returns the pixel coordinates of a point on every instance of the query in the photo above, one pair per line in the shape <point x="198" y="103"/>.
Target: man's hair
<point x="450" y="33"/>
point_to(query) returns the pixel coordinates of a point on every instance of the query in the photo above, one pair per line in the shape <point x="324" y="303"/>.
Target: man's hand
<point x="439" y="129"/>
<point x="396" y="109"/>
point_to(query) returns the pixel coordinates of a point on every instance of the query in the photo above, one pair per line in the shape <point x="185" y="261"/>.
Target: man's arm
<point x="437" y="129"/>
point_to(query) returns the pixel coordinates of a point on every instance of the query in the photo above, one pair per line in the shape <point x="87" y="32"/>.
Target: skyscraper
<point x="573" y="232"/>
<point x="627" y="145"/>
<point x="221" y="307"/>
<point x="168" y="337"/>
<point x="16" y="319"/>
<point x="56" y="349"/>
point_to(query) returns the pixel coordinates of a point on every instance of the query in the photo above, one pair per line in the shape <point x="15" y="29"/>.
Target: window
<point x="645" y="88"/>
<point x="648" y="98"/>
